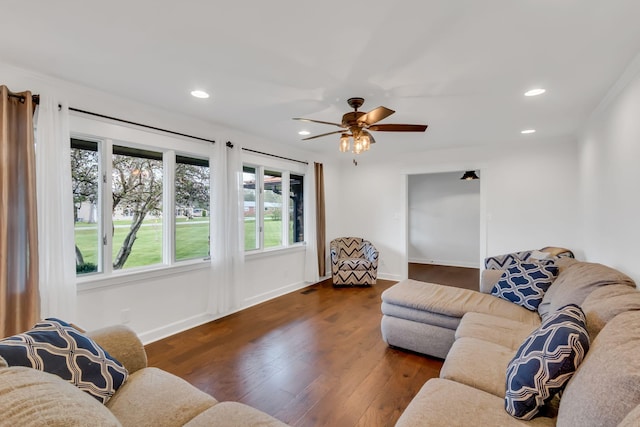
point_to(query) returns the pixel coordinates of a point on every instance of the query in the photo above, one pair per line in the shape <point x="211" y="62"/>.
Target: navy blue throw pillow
<point x="58" y="348"/>
<point x="524" y="283"/>
<point x="546" y="361"/>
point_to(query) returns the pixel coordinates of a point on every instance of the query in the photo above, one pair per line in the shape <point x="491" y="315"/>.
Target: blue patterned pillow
<point x="546" y="361"/>
<point x="524" y="283"/>
<point x="58" y="348"/>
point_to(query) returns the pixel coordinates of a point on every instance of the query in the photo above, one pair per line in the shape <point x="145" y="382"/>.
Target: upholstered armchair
<point x="354" y="261"/>
<point x="548" y="253"/>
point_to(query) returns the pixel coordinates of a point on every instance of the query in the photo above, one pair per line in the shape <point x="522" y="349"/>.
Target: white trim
<point x="394" y="277"/>
<point x="124" y="277"/>
<point x="404" y="207"/>
<point x="280" y="250"/>
<point x="266" y="296"/>
<point x="628" y="75"/>
<point x="175" y="328"/>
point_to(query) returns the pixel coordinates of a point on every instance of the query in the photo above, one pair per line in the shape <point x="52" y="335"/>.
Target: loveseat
<point x="148" y="397"/>
<point x="482" y="337"/>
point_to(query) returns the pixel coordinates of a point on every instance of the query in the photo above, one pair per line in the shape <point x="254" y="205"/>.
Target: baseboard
<point x="448" y="263"/>
<point x="200" y="319"/>
<point x="387" y="276"/>
<point x="258" y="299"/>
<point x="175" y="327"/>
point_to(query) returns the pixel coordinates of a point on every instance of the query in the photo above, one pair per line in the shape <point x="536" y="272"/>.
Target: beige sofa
<point x="604" y="391"/>
<point x="149" y="397"/>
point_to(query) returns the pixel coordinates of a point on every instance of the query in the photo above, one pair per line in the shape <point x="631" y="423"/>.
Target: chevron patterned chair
<point x="354" y="262"/>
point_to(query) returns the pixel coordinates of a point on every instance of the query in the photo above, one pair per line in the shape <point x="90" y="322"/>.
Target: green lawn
<point x="192" y="240"/>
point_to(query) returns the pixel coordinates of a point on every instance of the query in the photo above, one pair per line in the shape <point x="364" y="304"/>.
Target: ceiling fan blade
<point x="324" y="134"/>
<point x="375" y="115"/>
<point x="318" y="121"/>
<point x="398" y="128"/>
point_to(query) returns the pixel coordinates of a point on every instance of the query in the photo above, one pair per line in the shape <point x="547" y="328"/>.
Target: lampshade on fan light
<point x="361" y="141"/>
<point x="469" y="176"/>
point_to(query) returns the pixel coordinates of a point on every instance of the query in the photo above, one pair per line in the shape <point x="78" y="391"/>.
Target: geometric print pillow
<point x="545" y="362"/>
<point x="58" y="348"/>
<point x="524" y="283"/>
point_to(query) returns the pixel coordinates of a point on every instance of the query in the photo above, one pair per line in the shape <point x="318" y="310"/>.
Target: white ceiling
<point x="460" y="66"/>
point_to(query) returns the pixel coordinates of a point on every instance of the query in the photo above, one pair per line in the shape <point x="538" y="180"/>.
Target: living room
<point x="572" y="186"/>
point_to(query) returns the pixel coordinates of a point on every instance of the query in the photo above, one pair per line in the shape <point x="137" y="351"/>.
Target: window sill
<point x="301" y="247"/>
<point x="120" y="278"/>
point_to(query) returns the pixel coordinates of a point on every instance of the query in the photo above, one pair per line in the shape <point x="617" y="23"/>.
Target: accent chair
<point x="354" y="262"/>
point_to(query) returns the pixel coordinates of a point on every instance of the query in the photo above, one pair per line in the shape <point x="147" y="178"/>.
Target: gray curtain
<point x="19" y="297"/>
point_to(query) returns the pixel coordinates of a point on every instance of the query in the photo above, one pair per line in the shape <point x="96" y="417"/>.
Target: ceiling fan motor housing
<point x="350" y="120"/>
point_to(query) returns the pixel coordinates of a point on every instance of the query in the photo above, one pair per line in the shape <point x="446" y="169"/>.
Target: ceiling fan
<point x="357" y="125"/>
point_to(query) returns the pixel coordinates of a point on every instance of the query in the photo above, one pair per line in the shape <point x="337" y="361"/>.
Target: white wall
<point x="528" y="198"/>
<point x="610" y="166"/>
<point x="444" y="220"/>
<point x="158" y="305"/>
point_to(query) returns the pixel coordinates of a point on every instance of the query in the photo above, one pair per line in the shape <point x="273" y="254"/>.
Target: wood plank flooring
<point x="468" y="278"/>
<point x="310" y="358"/>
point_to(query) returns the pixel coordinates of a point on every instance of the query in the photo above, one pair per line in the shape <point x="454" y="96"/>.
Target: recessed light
<point x="526" y="131"/>
<point x="304" y="132"/>
<point x="199" y="94"/>
<point x="535" y="92"/>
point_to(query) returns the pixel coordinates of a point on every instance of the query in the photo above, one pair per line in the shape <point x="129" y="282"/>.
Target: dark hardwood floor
<point x="310" y="358"/>
<point x="468" y="278"/>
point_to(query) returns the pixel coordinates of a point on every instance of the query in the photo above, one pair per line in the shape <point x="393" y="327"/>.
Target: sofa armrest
<point x="488" y="278"/>
<point x="123" y="344"/>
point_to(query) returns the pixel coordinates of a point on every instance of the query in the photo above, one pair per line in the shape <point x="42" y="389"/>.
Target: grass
<point x="192" y="240"/>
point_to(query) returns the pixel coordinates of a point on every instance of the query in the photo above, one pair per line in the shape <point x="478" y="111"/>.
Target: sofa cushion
<point x="632" y="419"/>
<point x="505" y="332"/>
<point x="454" y="302"/>
<point x="29" y="397"/>
<point x="234" y="414"/>
<point x="57" y="347"/>
<point x="576" y="281"/>
<point x="606" y="386"/>
<point x="524" y="283"/>
<point x="545" y="361"/>
<point x="479" y="364"/>
<point x="607" y="302"/>
<point x="443" y="403"/>
<point x="156" y="398"/>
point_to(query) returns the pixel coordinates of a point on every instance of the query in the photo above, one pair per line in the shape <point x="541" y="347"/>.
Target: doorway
<point x="443" y="228"/>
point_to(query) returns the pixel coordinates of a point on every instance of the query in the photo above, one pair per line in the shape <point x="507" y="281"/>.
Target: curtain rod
<point x="273" y="155"/>
<point x="36" y="101"/>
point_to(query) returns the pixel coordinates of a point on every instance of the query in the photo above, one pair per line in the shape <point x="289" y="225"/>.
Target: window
<point x="136" y="190"/>
<point x="271" y="220"/>
<point x="251" y="214"/>
<point x="85" y="169"/>
<point x="121" y="195"/>
<point x="296" y="209"/>
<point x="191" y="208"/>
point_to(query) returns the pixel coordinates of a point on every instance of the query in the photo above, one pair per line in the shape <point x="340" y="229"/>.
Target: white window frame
<point x="285" y="168"/>
<point x="108" y="134"/>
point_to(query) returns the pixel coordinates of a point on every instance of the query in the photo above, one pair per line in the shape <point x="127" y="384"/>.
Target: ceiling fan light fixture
<point x="304" y="132"/>
<point x="357" y="146"/>
<point x="345" y="143"/>
<point x="469" y="176"/>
